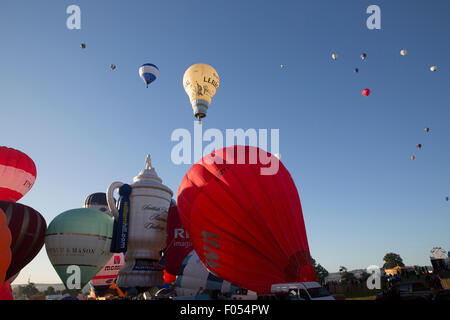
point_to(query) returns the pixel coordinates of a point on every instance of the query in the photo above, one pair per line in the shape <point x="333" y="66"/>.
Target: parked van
<point x="303" y="290"/>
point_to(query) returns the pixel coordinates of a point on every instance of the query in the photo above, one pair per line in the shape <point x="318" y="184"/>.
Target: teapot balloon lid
<point x="149" y="178"/>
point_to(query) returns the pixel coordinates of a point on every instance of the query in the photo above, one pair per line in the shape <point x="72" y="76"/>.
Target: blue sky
<point x="86" y="126"/>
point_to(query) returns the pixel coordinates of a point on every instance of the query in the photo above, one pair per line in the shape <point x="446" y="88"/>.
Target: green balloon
<point x="78" y="243"/>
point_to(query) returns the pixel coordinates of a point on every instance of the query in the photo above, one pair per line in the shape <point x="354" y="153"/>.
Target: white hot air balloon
<point x="403" y="52"/>
<point x="334" y="56"/>
<point x="433" y="68"/>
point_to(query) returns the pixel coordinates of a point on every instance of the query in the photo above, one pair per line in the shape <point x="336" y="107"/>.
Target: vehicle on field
<point x="302" y="290"/>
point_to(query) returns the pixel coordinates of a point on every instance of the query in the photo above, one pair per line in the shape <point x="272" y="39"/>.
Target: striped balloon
<point x="193" y="277"/>
<point x="148" y="72"/>
<point x="79" y="237"/>
<point x="17" y="174"/>
<point x="27" y="228"/>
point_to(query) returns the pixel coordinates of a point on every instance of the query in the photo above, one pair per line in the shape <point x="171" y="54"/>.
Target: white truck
<point x="302" y="290"/>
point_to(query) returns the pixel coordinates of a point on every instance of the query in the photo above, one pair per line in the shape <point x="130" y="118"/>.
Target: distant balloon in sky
<point x="433" y="68"/>
<point x="282" y="66"/>
<point x="356" y="70"/>
<point x="246" y="227"/>
<point x="334" y="56"/>
<point x="419" y="146"/>
<point x="363" y="56"/>
<point x="79" y="238"/>
<point x="17" y="174"/>
<point x="366" y="92"/>
<point x="200" y="81"/>
<point x="5" y="250"/>
<point x="403" y="52"/>
<point x="427" y="129"/>
<point x="446" y="198"/>
<point x="113" y="67"/>
<point x="413" y="157"/>
<point x="148" y="72"/>
<point x="83" y="46"/>
<point x="27" y="228"/>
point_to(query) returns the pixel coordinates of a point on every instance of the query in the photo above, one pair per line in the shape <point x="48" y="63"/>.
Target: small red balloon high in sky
<point x="247" y="228"/>
<point x="366" y="92"/>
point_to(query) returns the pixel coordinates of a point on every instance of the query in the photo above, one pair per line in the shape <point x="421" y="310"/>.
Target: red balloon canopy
<point x="17" y="174"/>
<point x="246" y="227"/>
<point x="366" y="92"/>
<point x="27" y="228"/>
<point x="6" y="291"/>
<point x="178" y="243"/>
<point x="5" y="247"/>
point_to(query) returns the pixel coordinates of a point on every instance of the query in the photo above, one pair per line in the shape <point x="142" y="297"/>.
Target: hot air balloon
<point x="433" y="68"/>
<point x="366" y="92"/>
<point x="79" y="238"/>
<point x="6" y="291"/>
<point x="113" y="67"/>
<point x="427" y="130"/>
<point x="148" y="72"/>
<point x="282" y="66"/>
<point x="334" y="56"/>
<point x="419" y="146"/>
<point x="83" y="46"/>
<point x="17" y="174"/>
<point x="200" y="81"/>
<point x="178" y="244"/>
<point x="363" y="56"/>
<point x="356" y="70"/>
<point x="193" y="277"/>
<point x="245" y="220"/>
<point x="169" y="278"/>
<point x="446" y="198"/>
<point x="403" y="52"/>
<point x="101" y="282"/>
<point x="5" y="250"/>
<point x="98" y="202"/>
<point x="413" y="157"/>
<point x="27" y="228"/>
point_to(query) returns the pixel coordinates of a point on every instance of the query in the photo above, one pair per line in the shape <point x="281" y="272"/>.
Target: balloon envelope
<point x="17" y="174"/>
<point x="5" y="244"/>
<point x="6" y="291"/>
<point x="148" y="72"/>
<point x="27" y="228"/>
<point x="79" y="237"/>
<point x="246" y="227"/>
<point x="194" y="277"/>
<point x="107" y="275"/>
<point x="178" y="244"/>
<point x="366" y="92"/>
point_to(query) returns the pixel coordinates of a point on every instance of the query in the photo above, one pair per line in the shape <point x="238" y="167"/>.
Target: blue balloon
<point x="148" y="72"/>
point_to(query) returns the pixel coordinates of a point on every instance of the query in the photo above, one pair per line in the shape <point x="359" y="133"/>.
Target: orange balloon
<point x="5" y="247"/>
<point x="412" y="157"/>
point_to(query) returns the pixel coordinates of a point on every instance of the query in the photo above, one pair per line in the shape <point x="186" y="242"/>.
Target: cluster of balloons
<point x="365" y="92"/>
<point x="22" y="228"/>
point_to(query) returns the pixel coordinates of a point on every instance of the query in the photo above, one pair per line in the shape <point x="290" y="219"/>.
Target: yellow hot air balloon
<point x="200" y="81"/>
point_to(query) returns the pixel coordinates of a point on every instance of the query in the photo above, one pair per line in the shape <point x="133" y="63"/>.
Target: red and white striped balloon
<point x="17" y="174"/>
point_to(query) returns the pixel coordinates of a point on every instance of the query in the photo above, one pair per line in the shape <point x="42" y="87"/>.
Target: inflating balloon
<point x="193" y="277"/>
<point x="246" y="223"/>
<point x="79" y="238"/>
<point x="27" y="228"/>
<point x="5" y="250"/>
<point x="17" y="174"/>
<point x="101" y="282"/>
<point x="366" y="92"/>
<point x="148" y="72"/>
<point x="200" y="81"/>
<point x="178" y="244"/>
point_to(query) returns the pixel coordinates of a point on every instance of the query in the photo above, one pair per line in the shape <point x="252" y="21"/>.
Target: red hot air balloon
<point x="247" y="228"/>
<point x="17" y="174"/>
<point x="6" y="291"/>
<point x="27" y="228"/>
<point x="179" y="244"/>
<point x="366" y="92"/>
<point x="5" y="244"/>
